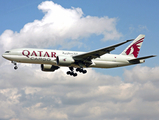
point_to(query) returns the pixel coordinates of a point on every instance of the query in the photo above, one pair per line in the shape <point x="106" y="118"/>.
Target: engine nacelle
<point x="47" y="67"/>
<point x="64" y="60"/>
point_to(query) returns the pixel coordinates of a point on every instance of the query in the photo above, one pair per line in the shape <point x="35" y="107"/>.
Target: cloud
<point x="139" y="28"/>
<point x="42" y="95"/>
<point x="59" y="26"/>
<point x="142" y="28"/>
<point x="142" y="74"/>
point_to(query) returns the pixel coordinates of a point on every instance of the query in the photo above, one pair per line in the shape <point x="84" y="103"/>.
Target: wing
<point x="97" y="53"/>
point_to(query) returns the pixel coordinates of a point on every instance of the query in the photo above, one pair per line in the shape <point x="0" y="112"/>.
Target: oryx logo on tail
<point x="133" y="49"/>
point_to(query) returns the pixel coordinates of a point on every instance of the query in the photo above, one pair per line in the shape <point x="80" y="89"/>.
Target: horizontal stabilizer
<point x="137" y="60"/>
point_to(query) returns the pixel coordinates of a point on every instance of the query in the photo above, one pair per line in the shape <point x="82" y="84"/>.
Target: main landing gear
<point x="15" y="65"/>
<point x="77" y="69"/>
<point x="71" y="73"/>
<point x="81" y="70"/>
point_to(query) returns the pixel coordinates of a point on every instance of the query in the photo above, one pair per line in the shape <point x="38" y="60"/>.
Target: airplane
<point x="52" y="60"/>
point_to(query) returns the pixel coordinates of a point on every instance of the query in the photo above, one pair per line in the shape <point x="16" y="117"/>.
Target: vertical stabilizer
<point x="134" y="48"/>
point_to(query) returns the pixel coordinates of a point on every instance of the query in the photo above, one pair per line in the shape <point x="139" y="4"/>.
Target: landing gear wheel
<point x="81" y="70"/>
<point x="75" y="74"/>
<point x="68" y="72"/>
<point x="15" y="67"/>
<point x="71" y="73"/>
<point x="78" y="69"/>
<point x="84" y="71"/>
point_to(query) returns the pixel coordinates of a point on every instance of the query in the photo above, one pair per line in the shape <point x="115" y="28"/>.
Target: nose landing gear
<point x="15" y="65"/>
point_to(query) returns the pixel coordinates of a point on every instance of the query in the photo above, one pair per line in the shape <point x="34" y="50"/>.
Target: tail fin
<point x="134" y="48"/>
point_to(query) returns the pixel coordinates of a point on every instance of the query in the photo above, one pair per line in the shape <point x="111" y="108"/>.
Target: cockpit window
<point x="7" y="51"/>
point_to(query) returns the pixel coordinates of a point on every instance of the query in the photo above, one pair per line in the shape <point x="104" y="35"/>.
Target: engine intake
<point x="64" y="60"/>
<point x="47" y="67"/>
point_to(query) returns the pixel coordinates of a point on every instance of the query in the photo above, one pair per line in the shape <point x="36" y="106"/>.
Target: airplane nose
<point x="3" y="56"/>
<point x="6" y="55"/>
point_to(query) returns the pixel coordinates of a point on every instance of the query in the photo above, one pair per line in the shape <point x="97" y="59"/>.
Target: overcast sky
<point x="125" y="93"/>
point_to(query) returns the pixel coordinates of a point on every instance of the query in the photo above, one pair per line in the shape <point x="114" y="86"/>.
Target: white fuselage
<point x="47" y="56"/>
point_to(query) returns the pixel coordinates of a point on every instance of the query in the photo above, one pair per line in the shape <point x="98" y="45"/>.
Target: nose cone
<point x="4" y="56"/>
<point x="8" y="57"/>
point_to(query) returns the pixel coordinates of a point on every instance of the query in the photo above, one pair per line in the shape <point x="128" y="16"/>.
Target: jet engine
<point x="47" y="67"/>
<point x="64" y="60"/>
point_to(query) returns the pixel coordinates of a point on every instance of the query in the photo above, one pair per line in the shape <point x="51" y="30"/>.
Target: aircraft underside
<point x="75" y="67"/>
